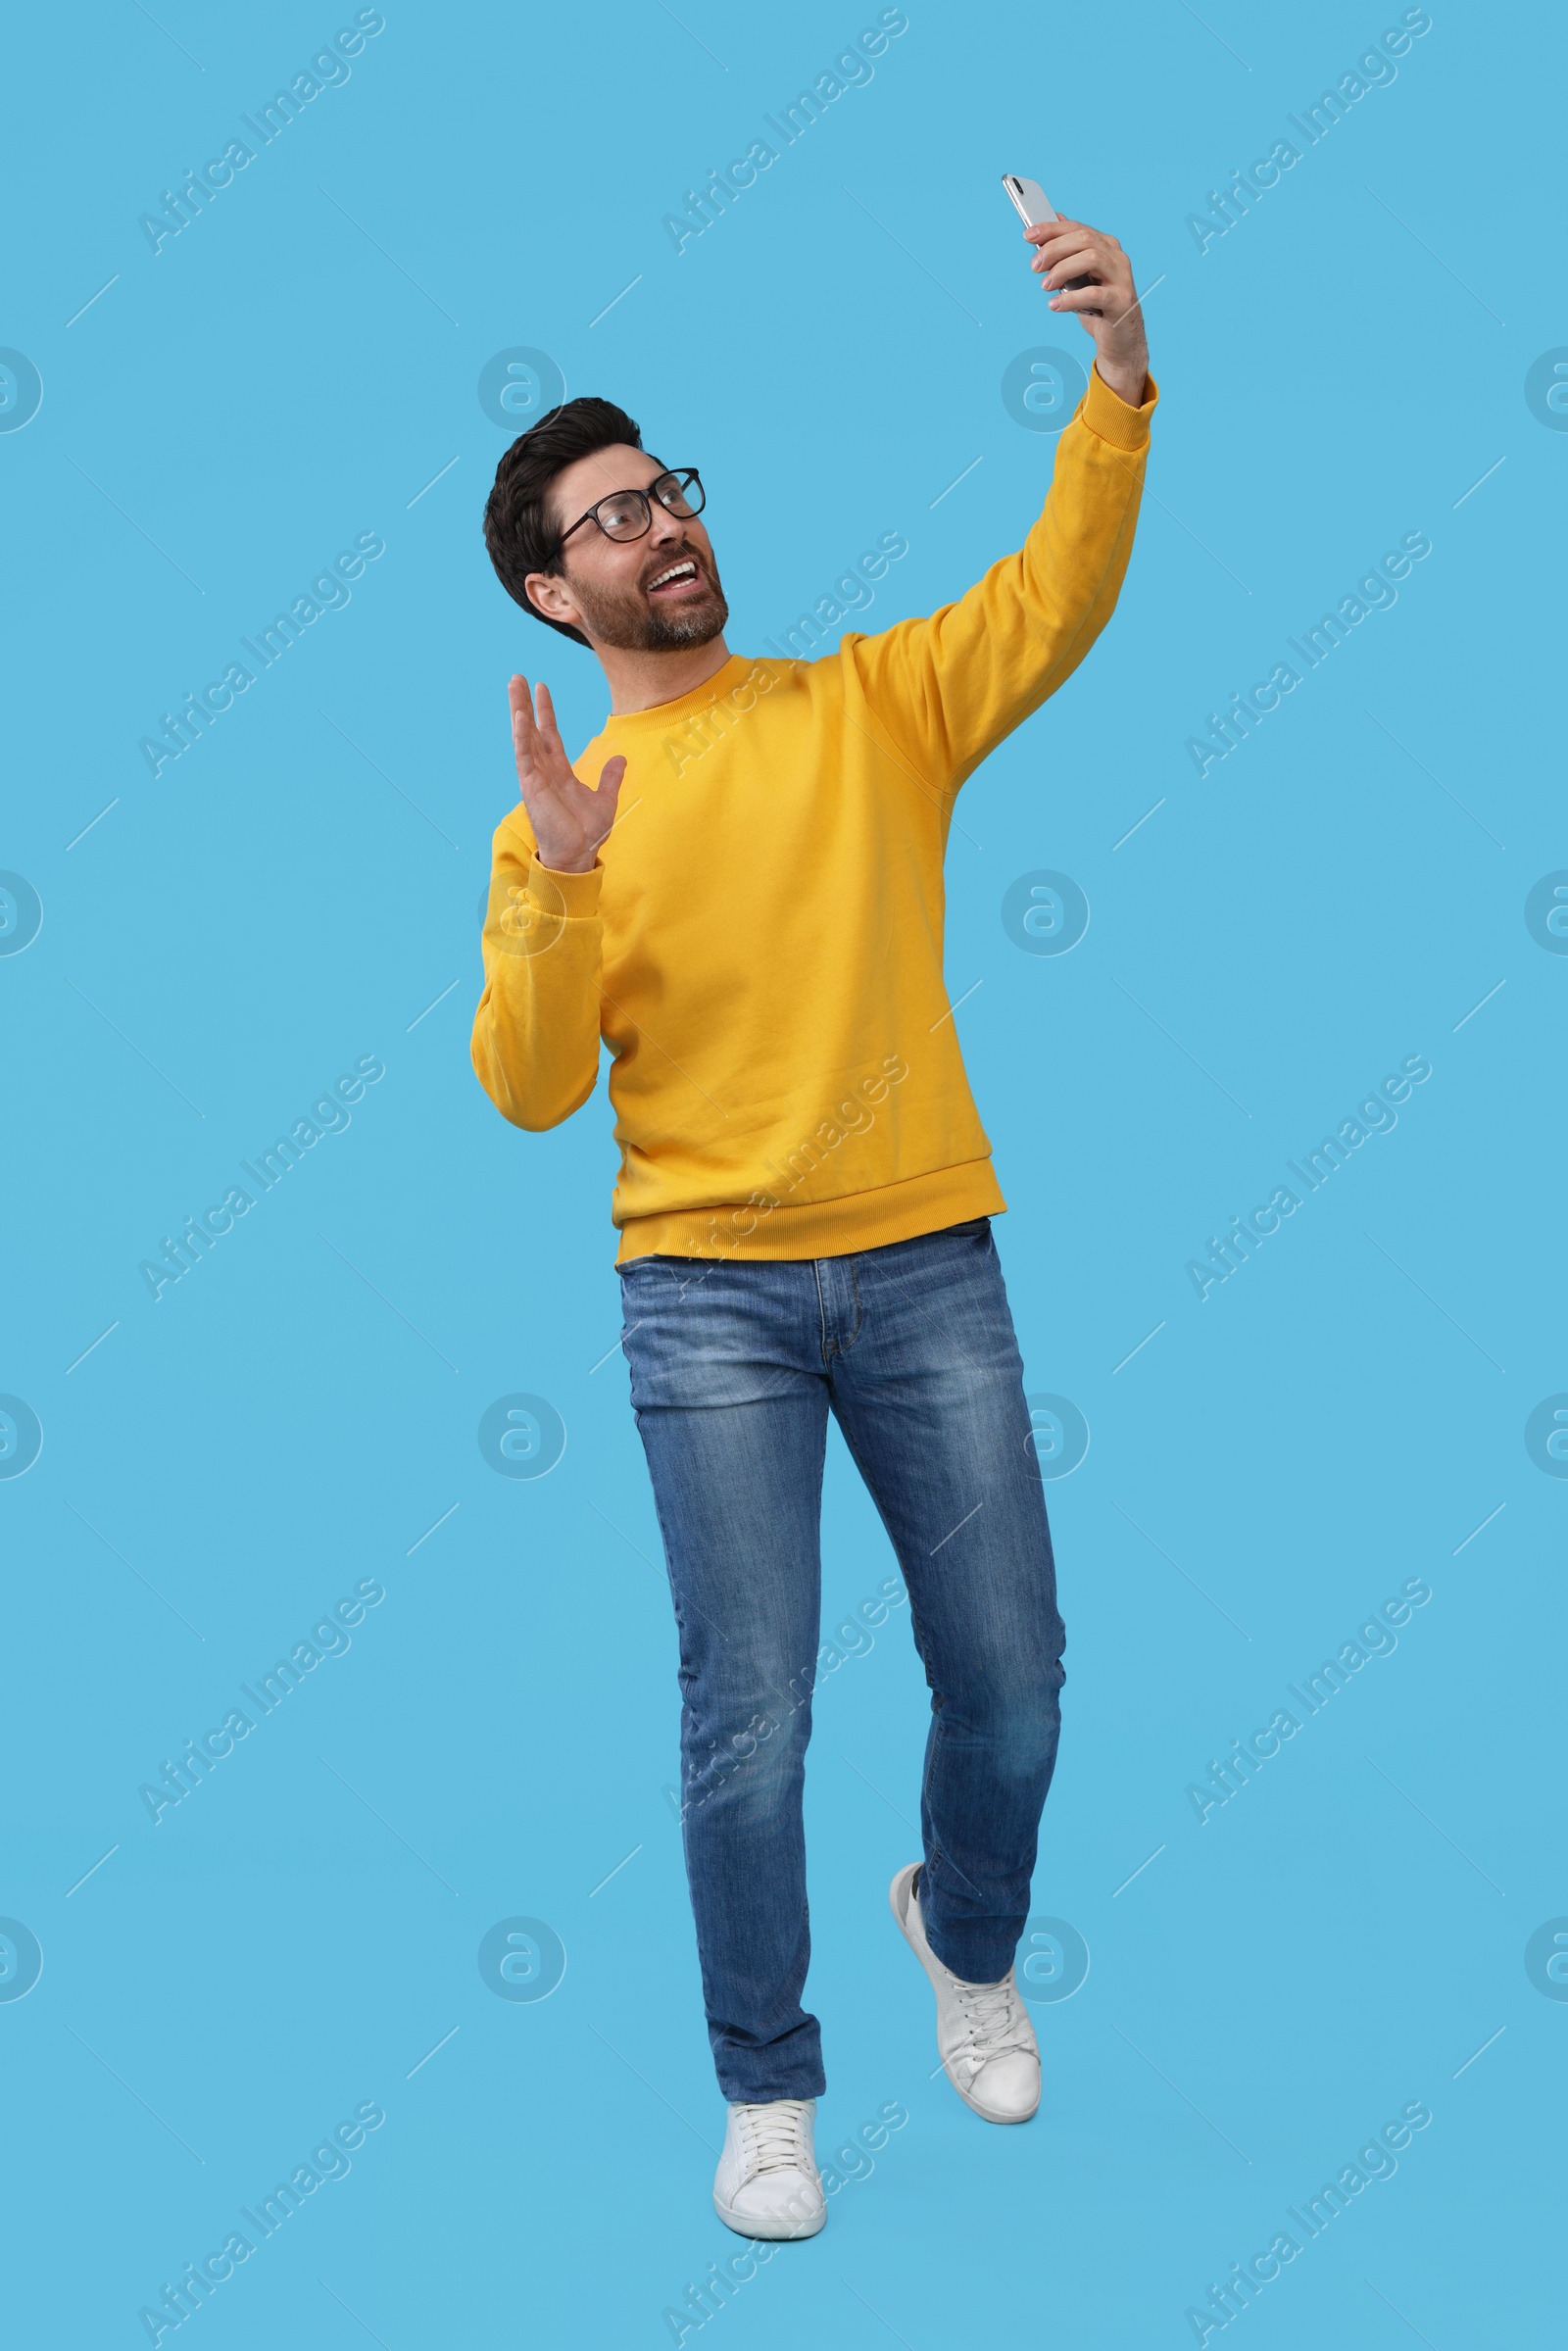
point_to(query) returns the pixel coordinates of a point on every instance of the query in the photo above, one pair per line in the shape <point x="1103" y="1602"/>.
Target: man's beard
<point x="627" y="620"/>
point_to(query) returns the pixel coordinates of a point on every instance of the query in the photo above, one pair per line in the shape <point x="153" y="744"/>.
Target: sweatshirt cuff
<point x="1108" y="414"/>
<point x="568" y="893"/>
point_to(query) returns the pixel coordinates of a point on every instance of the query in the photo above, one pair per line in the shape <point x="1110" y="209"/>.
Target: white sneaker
<point x="768" y="2184"/>
<point x="984" y="2036"/>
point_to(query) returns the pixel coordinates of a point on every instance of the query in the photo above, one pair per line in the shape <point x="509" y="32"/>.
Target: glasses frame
<point x="685" y="477"/>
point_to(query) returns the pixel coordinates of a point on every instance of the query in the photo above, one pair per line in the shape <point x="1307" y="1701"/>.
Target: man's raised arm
<point x="536" y="1033"/>
<point x="951" y="687"/>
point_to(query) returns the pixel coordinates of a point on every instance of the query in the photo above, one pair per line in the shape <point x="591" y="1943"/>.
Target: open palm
<point x="569" y="818"/>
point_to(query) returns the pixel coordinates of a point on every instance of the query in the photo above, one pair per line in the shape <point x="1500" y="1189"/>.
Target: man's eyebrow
<point x="560" y="519"/>
<point x="616" y="485"/>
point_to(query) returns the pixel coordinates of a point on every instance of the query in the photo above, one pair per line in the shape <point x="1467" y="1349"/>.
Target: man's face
<point x="657" y="594"/>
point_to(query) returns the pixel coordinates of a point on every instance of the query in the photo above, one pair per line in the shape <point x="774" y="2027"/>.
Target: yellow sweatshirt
<point x="760" y="943"/>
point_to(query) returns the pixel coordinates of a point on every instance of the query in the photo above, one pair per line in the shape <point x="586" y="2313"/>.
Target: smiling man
<point x="741" y="895"/>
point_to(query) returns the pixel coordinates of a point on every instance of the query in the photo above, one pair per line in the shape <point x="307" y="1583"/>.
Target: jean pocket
<point x="647" y="1280"/>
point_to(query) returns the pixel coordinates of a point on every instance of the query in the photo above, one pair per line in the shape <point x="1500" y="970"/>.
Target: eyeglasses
<point x="629" y="514"/>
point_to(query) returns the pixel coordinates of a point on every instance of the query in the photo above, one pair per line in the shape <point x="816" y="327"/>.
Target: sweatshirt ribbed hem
<point x="833" y="1228"/>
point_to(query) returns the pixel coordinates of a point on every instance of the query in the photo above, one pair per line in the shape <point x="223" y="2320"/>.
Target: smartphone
<point x="1033" y="206"/>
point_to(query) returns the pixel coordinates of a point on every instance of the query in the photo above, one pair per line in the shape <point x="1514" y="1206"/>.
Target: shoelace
<point x="994" y="2020"/>
<point x="773" y="2135"/>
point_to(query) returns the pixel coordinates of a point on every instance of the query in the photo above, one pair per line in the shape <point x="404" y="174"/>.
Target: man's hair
<point x="519" y="530"/>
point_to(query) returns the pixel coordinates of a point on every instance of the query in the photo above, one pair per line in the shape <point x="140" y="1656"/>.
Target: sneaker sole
<point x="986" y="2113"/>
<point x="780" y="2232"/>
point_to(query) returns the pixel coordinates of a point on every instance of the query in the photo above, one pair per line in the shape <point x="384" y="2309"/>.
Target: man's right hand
<point x="570" y="820"/>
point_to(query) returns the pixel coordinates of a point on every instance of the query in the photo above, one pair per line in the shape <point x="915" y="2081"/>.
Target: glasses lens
<point x="680" y="493"/>
<point x="625" y="515"/>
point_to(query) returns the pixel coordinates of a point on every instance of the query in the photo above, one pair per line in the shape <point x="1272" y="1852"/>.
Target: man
<point x="742" y="896"/>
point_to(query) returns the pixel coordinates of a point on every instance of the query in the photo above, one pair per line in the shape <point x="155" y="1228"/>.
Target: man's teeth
<point x="686" y="571"/>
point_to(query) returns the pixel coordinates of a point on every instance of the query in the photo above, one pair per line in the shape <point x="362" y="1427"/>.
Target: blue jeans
<point x="734" y="1370"/>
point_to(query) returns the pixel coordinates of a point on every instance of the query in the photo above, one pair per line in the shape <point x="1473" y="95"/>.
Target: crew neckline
<point x="664" y="711"/>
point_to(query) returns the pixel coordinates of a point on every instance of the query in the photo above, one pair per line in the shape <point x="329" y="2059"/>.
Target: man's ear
<point x="549" y="594"/>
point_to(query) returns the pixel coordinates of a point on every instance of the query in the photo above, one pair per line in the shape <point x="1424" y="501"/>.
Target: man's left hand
<point x="1107" y="307"/>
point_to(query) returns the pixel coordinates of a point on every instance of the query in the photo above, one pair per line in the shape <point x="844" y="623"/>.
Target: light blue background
<point x="299" y="1411"/>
